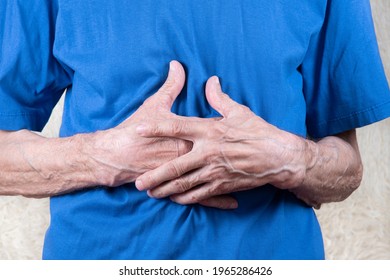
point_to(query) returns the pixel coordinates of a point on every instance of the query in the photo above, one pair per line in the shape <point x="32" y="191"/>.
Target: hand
<point x="122" y="155"/>
<point x="238" y="152"/>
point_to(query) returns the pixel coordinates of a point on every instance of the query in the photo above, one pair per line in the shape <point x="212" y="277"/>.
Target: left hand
<point x="238" y="152"/>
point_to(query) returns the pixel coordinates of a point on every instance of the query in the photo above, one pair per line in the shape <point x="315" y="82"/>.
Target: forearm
<point x="333" y="169"/>
<point x="35" y="166"/>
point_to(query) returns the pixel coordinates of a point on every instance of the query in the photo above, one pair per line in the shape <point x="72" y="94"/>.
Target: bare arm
<point x="334" y="169"/>
<point x="242" y="151"/>
<point x="35" y="166"/>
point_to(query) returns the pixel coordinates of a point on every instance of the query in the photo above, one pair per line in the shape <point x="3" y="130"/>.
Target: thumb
<point x="172" y="87"/>
<point x="220" y="101"/>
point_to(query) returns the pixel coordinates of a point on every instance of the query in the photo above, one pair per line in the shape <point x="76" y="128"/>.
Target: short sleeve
<point x="344" y="82"/>
<point x="31" y="79"/>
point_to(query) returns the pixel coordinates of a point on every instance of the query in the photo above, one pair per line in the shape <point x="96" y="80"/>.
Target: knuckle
<point x="181" y="185"/>
<point x="155" y="129"/>
<point x="174" y="170"/>
<point x="177" y="127"/>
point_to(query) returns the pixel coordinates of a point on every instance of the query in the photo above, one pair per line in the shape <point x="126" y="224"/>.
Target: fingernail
<point x="139" y="185"/>
<point x="172" y="66"/>
<point x="216" y="80"/>
<point x="149" y="193"/>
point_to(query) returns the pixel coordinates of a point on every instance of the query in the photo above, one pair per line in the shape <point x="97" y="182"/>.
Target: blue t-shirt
<point x="308" y="67"/>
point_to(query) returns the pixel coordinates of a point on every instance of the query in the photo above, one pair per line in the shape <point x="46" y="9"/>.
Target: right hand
<point x="121" y="155"/>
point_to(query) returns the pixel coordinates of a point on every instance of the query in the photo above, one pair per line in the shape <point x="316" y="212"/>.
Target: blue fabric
<point x="308" y="67"/>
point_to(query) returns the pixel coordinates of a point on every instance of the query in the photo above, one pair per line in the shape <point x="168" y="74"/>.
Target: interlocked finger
<point x="180" y="185"/>
<point x="170" y="171"/>
<point x="177" y="127"/>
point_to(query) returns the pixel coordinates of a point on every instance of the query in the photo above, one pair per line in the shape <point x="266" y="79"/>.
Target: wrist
<point x="73" y="161"/>
<point x="104" y="151"/>
<point x="298" y="156"/>
<point x="303" y="186"/>
<point x="93" y="153"/>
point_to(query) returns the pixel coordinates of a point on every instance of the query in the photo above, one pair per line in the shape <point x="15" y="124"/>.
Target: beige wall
<point x="358" y="228"/>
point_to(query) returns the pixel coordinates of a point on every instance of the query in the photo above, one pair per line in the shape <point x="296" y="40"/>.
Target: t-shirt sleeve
<point x="31" y="79"/>
<point x="344" y="83"/>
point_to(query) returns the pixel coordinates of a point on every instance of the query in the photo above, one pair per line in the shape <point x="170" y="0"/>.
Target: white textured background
<point x="358" y="228"/>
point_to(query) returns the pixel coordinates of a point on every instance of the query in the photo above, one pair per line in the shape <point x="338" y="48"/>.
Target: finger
<point x="217" y="99"/>
<point x="223" y="202"/>
<point x="176" y="127"/>
<point x="172" y="87"/>
<point x="179" y="185"/>
<point x="169" y="171"/>
<point x="206" y="195"/>
<point x="220" y="101"/>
